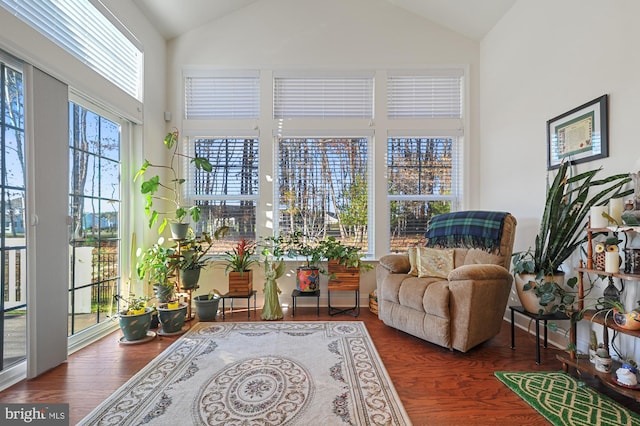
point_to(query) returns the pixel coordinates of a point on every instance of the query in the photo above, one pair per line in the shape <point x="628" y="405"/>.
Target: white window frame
<point x="378" y="129"/>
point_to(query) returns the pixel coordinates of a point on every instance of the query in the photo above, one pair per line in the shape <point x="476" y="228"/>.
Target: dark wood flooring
<point x="436" y="386"/>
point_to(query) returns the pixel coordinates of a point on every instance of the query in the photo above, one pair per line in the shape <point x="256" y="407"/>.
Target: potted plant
<point x="156" y="266"/>
<point x="207" y="305"/>
<point x="169" y="191"/>
<point x="344" y="263"/>
<point x="134" y="318"/>
<point x="308" y="274"/>
<point x="239" y="261"/>
<point x="190" y="258"/>
<point x="172" y="316"/>
<point x="539" y="278"/>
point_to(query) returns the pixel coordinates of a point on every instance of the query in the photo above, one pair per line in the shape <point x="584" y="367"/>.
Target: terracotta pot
<point x="530" y="302"/>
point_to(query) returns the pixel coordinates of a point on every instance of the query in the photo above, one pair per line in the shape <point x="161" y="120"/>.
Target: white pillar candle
<point x="611" y="262"/>
<point x="597" y="220"/>
<point x="616" y="206"/>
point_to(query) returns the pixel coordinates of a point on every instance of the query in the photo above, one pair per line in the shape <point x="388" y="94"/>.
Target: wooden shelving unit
<point x="582" y="363"/>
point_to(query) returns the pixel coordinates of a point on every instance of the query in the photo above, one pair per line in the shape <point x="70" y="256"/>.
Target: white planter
<point x="603" y="365"/>
<point x="530" y="302"/>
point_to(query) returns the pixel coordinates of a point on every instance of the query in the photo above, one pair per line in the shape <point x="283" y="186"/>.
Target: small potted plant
<point x="239" y="261"/>
<point x="308" y="274"/>
<point x="191" y="259"/>
<point x="207" y="305"/>
<point x="134" y="317"/>
<point x="156" y="190"/>
<point x="344" y="264"/>
<point x="155" y="265"/>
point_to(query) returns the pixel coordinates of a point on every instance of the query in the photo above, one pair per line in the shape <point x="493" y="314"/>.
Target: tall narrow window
<point x="94" y="159"/>
<point x="423" y="161"/>
<point x="323" y="188"/>
<point x="228" y="195"/>
<point x="13" y="245"/>
<point x="421" y="183"/>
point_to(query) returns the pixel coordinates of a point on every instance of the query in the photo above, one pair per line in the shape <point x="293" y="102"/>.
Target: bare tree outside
<point x="323" y="186"/>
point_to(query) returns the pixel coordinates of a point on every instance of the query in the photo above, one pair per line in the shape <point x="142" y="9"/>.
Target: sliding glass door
<point x="13" y="245"/>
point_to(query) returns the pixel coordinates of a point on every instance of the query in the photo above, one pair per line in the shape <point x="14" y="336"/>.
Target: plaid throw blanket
<point x="479" y="229"/>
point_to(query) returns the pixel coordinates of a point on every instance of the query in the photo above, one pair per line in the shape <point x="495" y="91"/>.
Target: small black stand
<point x="240" y="296"/>
<point x="298" y="293"/>
<point x="558" y="316"/>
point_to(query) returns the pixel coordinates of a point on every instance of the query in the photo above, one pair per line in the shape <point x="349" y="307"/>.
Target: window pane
<point x="239" y="216"/>
<point x="14" y="107"/>
<point x="13" y="244"/>
<point x="83" y="31"/>
<point x="95" y="208"/>
<point x="235" y="167"/>
<point x="420" y="184"/>
<point x="420" y="166"/>
<point x="323" y="97"/>
<point x="228" y="195"/>
<point x="409" y="221"/>
<point x="14" y="157"/>
<point x="323" y="188"/>
<point x="14" y="218"/>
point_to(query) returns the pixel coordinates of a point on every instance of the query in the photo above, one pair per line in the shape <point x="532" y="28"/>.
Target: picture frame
<point x="579" y="135"/>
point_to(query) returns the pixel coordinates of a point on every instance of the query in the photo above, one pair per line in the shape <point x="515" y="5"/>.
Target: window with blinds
<point x="228" y="195"/>
<point x="213" y="97"/>
<point x="422" y="181"/>
<point x="424" y="96"/>
<point x="323" y="97"/>
<point x="323" y="188"/>
<point x="93" y="36"/>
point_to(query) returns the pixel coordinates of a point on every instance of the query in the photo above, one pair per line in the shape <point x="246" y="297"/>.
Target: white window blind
<point x="323" y="97"/>
<point x="83" y="31"/>
<point x="211" y="97"/>
<point x="424" y="96"/>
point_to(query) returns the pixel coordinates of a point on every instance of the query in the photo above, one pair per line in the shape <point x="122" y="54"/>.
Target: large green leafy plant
<point x="568" y="202"/>
<point x="155" y="189"/>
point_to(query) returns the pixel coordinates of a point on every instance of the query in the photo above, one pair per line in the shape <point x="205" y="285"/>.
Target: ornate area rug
<point x="260" y="373"/>
<point x="562" y="400"/>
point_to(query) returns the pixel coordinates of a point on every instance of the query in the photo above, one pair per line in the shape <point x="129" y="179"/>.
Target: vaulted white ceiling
<point x="472" y="18"/>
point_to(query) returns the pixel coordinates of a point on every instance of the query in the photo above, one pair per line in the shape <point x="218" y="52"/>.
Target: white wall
<point x="541" y="60"/>
<point x="330" y="35"/>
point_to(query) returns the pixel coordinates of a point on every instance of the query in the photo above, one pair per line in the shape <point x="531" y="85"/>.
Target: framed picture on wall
<point x="579" y="135"/>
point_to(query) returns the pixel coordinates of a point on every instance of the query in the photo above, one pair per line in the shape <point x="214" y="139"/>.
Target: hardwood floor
<point x="436" y="386"/>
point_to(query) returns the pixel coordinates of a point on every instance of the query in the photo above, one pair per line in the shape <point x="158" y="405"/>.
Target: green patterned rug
<point x="563" y="400"/>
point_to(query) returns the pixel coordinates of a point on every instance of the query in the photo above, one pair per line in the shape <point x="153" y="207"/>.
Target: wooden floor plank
<point x="437" y="386"/>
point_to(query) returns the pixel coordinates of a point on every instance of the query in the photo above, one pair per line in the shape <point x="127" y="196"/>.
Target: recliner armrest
<point x="396" y="263"/>
<point x="479" y="272"/>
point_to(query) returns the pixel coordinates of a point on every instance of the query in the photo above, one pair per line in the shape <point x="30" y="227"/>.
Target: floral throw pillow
<point x="434" y="262"/>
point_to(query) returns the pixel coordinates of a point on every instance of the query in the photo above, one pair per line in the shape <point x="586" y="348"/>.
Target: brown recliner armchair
<point x="467" y="307"/>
